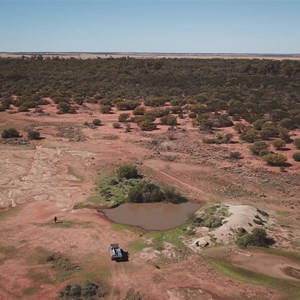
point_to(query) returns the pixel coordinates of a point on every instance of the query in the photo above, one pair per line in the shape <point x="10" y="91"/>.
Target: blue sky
<point x="196" y="26"/>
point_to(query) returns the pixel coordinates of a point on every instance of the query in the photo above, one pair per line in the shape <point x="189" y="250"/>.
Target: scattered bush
<point x="105" y="109"/>
<point x="258" y="124"/>
<point x="275" y="159"/>
<point x="222" y="121"/>
<point x="88" y="290"/>
<point x="235" y="155"/>
<point x="116" y="125"/>
<point x="127" y="104"/>
<point x="65" y="108"/>
<point x="192" y="115"/>
<point x="127" y="127"/>
<point x="297" y="143"/>
<point x="147" y="125"/>
<point x="10" y="133"/>
<point x="240" y="127"/>
<point x="284" y="135"/>
<point x="296" y="156"/>
<point x="33" y="135"/>
<point x="139" y="111"/>
<point x="268" y="131"/>
<point x="23" y="108"/>
<point x="278" y="144"/>
<point x="258" y="146"/>
<point x="176" y="109"/>
<point x="263" y="152"/>
<point x="106" y="102"/>
<point x="127" y="171"/>
<point x="219" y="139"/>
<point x="258" y="238"/>
<point x="250" y="136"/>
<point x="154" y="102"/>
<point x="168" y="120"/>
<point x="96" y="122"/>
<point x="123" y="117"/>
<point x="287" y="123"/>
<point x="158" y="113"/>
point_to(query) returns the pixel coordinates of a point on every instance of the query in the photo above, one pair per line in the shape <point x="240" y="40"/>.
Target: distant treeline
<point x="242" y="87"/>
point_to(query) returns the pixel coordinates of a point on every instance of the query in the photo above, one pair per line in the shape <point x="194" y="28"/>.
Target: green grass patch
<point x="79" y="205"/>
<point x="103" y="273"/>
<point x="172" y="236"/>
<point x="291" y="290"/>
<point x="136" y="246"/>
<point x="40" y="277"/>
<point x="121" y="227"/>
<point x="283" y="213"/>
<point x="30" y="291"/>
<point x="8" y="252"/>
<point x="66" y="224"/>
<point x="9" y="212"/>
<point x="280" y="252"/>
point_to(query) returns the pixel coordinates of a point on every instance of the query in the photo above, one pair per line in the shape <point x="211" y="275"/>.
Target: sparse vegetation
<point x="297" y="143"/>
<point x="258" y="237"/>
<point x="88" y="290"/>
<point x="278" y="144"/>
<point x="259" y="146"/>
<point x="96" y="122"/>
<point x="296" y="156"/>
<point x="127" y="171"/>
<point x="33" y="135"/>
<point x="235" y="155"/>
<point x="10" y="133"/>
<point x="275" y="159"/>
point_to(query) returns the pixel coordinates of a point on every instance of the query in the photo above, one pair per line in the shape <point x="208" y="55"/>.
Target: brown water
<point x="151" y="216"/>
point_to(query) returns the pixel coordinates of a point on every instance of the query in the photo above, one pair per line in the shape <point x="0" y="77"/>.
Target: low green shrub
<point x="96" y="122"/>
<point x="296" y="156"/>
<point x="275" y="159"/>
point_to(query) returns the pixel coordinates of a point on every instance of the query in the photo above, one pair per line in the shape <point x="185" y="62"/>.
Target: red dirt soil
<point x="47" y="177"/>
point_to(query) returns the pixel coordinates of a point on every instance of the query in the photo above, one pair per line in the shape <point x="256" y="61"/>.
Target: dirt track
<point x="47" y="177"/>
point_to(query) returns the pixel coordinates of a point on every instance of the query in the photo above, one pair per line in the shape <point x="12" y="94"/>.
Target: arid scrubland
<point x="220" y="133"/>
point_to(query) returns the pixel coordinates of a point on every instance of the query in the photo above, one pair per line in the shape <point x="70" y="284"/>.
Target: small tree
<point x="278" y="144"/>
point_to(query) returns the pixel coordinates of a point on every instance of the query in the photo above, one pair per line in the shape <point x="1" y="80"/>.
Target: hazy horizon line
<point x="145" y="52"/>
